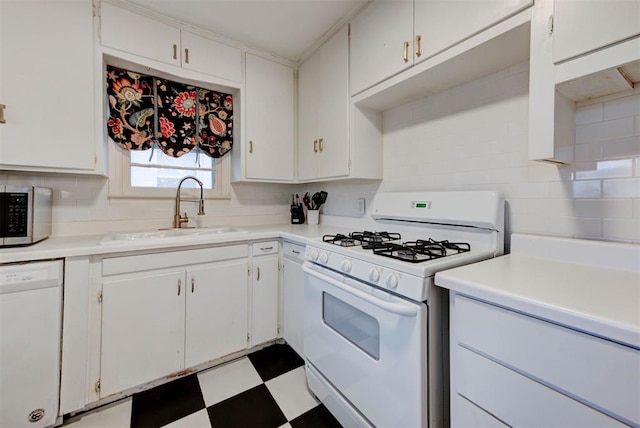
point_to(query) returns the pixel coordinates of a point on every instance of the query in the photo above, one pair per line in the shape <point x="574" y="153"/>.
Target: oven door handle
<point x="402" y="309"/>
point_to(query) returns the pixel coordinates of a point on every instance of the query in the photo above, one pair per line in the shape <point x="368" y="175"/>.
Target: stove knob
<point x="392" y="281"/>
<point x="346" y="265"/>
<point x="313" y="254"/>
<point x="324" y="257"/>
<point x="374" y="275"/>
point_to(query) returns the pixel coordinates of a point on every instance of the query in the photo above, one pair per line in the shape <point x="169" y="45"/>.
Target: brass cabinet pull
<point x="186" y="55"/>
<point x="315" y="146"/>
<point x="418" y="49"/>
<point x="265" y="249"/>
<point x="193" y="284"/>
<point x="258" y="273"/>
<point x="175" y="51"/>
<point x="250" y="146"/>
<point x="320" y="141"/>
<point x="405" y="52"/>
<point x="2" y="106"/>
<point x="179" y="286"/>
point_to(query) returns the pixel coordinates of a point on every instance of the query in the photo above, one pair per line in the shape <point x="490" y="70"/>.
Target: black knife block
<point x="297" y="214"/>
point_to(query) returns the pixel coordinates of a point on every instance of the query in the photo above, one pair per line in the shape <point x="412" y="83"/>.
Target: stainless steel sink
<point x="170" y="234"/>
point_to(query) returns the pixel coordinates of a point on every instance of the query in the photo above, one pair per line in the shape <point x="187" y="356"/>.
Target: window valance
<point x="145" y="111"/>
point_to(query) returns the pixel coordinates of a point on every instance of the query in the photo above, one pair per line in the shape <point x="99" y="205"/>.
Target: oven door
<point x="370" y="345"/>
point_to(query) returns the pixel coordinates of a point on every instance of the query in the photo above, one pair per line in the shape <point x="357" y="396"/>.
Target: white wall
<point x="81" y="206"/>
<point x="475" y="137"/>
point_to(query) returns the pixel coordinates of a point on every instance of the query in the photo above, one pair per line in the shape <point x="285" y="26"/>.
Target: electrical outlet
<point x="360" y="206"/>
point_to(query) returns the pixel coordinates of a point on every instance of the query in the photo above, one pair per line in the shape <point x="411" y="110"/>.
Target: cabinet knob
<point x="175" y="51"/>
<point x="405" y="52"/>
<point x="418" y="49"/>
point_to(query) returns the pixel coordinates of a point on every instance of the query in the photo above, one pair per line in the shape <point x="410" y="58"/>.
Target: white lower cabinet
<point x="523" y="371"/>
<point x="264" y="299"/>
<point x="293" y="296"/>
<point x="157" y="320"/>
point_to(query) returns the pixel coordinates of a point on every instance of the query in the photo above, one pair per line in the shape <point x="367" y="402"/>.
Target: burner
<point x="372" y="240"/>
<point x="421" y="250"/>
<point x="342" y="240"/>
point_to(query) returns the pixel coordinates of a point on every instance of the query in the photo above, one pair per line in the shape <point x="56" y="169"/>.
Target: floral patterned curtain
<point x="181" y="117"/>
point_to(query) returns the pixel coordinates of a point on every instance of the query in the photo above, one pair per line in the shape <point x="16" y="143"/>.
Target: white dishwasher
<point x="30" y="333"/>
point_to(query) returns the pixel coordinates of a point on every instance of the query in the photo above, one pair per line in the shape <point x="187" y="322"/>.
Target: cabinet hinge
<point x="278" y="330"/>
<point x="97" y="387"/>
<point x="550" y="25"/>
<point x="99" y="296"/>
<point x="279" y="266"/>
<point x="349" y="166"/>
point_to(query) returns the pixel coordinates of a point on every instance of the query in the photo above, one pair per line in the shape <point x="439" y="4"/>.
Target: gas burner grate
<point x="421" y="250"/>
<point x="342" y="240"/>
<point x="372" y="240"/>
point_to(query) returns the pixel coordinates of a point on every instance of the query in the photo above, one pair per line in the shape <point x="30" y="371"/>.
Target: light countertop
<point x="591" y="297"/>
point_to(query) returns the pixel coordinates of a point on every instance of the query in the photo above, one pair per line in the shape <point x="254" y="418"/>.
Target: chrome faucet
<point x="178" y="219"/>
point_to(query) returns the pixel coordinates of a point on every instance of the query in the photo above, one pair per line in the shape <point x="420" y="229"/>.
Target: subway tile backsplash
<point x="470" y="137"/>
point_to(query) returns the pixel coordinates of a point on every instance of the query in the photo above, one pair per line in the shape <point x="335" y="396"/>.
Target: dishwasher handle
<point x="398" y="308"/>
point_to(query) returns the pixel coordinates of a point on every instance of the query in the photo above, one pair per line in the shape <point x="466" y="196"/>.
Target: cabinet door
<point x="308" y="110"/>
<point x="216" y="315"/>
<point x="139" y="35"/>
<point x="210" y="57"/>
<point x="47" y="84"/>
<point x="142" y="329"/>
<point x="269" y="120"/>
<point x="333" y="112"/>
<point x="444" y="23"/>
<point x="264" y="314"/>
<point x="378" y="35"/>
<point x="583" y="26"/>
<point x="293" y="302"/>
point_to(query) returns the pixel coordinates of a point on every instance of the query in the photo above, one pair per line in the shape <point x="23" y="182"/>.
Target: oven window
<point x="351" y="323"/>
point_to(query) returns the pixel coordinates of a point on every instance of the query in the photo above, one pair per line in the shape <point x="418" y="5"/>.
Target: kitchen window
<point x="160" y="130"/>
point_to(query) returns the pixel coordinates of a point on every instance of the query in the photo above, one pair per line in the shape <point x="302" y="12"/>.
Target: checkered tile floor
<point x="265" y="389"/>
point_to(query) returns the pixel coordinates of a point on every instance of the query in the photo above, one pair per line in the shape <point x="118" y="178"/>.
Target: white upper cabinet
<point x="381" y="42"/>
<point x="580" y="27"/>
<point x="148" y="38"/>
<point x="323" y="111"/>
<point x="440" y="24"/>
<point x="47" y="86"/>
<point x="269" y="148"/>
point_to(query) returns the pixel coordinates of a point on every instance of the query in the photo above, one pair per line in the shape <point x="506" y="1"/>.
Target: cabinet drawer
<point x="142" y="262"/>
<point x="263" y="248"/>
<point x="594" y="370"/>
<point x="516" y="399"/>
<point x="293" y="251"/>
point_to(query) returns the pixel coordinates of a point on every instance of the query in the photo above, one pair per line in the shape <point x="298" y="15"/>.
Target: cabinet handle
<point x="186" y="55"/>
<point x="315" y="146"/>
<point x="250" y="146"/>
<point x="320" y="145"/>
<point x="418" y="49"/>
<point x="405" y="52"/>
<point x="2" y="106"/>
<point x="179" y="286"/>
<point x="266" y="248"/>
<point x="193" y="284"/>
<point x="175" y="51"/>
<point x="295" y="251"/>
<point x="258" y="278"/>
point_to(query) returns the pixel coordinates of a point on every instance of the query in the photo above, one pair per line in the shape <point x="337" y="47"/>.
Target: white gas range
<point x="375" y="324"/>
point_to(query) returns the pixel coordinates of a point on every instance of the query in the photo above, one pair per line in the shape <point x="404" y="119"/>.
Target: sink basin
<point x="173" y="234"/>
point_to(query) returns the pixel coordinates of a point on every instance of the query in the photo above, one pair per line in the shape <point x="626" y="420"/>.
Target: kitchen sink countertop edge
<point x="87" y="245"/>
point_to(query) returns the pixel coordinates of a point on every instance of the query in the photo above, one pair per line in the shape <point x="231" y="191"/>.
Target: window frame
<point x="119" y="159"/>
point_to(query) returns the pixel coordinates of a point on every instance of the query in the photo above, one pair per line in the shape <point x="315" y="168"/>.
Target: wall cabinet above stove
<point x="140" y="35"/>
<point x="47" y="86"/>
<point x="405" y="50"/>
<point x="334" y="139"/>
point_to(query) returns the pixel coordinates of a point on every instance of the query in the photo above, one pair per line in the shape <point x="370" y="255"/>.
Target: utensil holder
<point x="313" y="217"/>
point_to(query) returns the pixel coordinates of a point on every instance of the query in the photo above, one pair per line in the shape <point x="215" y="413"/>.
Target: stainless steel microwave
<point x="25" y="214"/>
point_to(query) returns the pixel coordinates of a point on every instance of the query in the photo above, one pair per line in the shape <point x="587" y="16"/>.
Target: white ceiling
<point x="287" y="28"/>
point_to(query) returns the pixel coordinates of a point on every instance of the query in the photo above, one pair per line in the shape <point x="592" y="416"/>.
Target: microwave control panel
<point x="16" y="213"/>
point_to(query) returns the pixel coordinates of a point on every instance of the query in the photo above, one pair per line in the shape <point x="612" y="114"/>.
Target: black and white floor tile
<point x="266" y="389"/>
